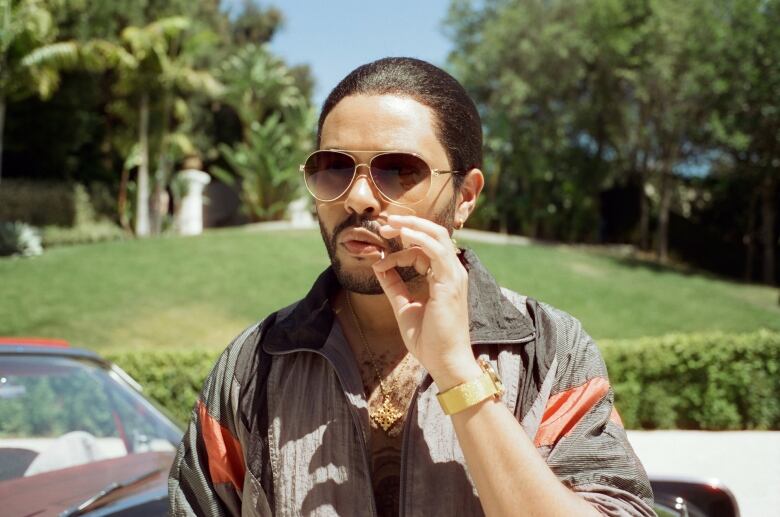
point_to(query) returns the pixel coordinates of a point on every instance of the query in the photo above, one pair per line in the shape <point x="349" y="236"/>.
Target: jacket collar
<point x="493" y="319"/>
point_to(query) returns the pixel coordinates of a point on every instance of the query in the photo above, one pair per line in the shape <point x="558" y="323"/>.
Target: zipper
<point x="404" y="446"/>
<point x="355" y="417"/>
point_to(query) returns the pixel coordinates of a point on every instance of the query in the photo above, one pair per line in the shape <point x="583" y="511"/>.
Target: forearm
<point x="510" y="475"/>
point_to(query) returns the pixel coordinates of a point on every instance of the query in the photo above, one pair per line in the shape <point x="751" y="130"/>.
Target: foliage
<point x="54" y="203"/>
<point x="697" y="381"/>
<point x="579" y="97"/>
<point x="83" y="233"/>
<point x="710" y="381"/>
<point x="277" y="119"/>
<point x="17" y="238"/>
<point x="172" y="378"/>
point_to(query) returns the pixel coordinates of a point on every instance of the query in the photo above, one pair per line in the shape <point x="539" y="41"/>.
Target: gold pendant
<point x="386" y="415"/>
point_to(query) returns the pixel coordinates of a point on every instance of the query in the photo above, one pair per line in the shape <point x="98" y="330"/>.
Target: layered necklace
<point x="388" y="412"/>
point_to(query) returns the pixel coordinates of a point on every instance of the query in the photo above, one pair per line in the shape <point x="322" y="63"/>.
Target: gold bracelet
<point x="472" y="392"/>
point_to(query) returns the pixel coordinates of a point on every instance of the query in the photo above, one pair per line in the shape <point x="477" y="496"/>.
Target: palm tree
<point x="163" y="70"/>
<point x="31" y="59"/>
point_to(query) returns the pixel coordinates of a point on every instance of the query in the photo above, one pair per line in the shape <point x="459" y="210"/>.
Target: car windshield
<point x="58" y="412"/>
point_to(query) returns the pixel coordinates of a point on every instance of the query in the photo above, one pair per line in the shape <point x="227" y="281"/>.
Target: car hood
<point x="50" y="493"/>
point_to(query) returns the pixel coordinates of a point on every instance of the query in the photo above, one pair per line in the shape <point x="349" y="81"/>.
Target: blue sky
<point x="335" y="36"/>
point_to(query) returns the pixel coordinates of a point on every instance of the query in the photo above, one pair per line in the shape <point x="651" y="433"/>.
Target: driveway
<point x="748" y="462"/>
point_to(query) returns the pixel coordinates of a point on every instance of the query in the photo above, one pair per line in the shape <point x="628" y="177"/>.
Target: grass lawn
<point x="201" y="291"/>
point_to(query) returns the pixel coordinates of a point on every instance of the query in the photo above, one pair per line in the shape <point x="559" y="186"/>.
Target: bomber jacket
<point x="281" y="426"/>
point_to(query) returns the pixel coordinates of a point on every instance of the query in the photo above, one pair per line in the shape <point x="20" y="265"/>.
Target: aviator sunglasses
<point x="401" y="177"/>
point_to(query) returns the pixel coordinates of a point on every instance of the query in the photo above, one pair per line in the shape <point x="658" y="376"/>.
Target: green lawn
<point x="201" y="291"/>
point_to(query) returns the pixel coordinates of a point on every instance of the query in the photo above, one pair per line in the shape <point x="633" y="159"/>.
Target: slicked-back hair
<point x="458" y="125"/>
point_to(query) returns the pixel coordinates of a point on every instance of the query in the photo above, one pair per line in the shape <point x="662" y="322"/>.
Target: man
<point x="379" y="392"/>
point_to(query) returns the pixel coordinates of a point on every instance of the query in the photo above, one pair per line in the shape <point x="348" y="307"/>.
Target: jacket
<point x="281" y="426"/>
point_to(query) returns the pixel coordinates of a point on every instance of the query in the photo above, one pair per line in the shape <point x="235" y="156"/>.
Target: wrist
<point x="455" y="373"/>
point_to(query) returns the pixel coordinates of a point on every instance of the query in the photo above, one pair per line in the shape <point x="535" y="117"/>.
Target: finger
<point x="420" y="224"/>
<point x="440" y="261"/>
<point x="395" y="289"/>
<point x="407" y="257"/>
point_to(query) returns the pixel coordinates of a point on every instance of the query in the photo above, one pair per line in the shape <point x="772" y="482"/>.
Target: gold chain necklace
<point x="388" y="413"/>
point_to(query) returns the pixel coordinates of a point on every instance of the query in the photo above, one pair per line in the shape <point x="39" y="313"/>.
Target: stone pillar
<point x="189" y="218"/>
<point x="299" y="213"/>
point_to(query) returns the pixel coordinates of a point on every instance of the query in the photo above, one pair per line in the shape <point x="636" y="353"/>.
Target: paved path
<point x="748" y="462"/>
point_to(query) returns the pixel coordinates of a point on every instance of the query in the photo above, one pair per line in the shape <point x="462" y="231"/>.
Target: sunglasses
<point x="402" y="178"/>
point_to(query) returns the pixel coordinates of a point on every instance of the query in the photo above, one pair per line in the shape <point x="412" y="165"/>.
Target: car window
<point x="59" y="412"/>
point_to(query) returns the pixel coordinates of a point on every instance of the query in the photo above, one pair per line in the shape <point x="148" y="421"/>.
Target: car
<point x="77" y="435"/>
<point x="677" y="496"/>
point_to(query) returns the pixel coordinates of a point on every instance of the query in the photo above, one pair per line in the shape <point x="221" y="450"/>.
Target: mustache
<point x="356" y="220"/>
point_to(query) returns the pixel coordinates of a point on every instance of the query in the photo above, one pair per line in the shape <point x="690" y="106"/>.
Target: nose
<point x="362" y="196"/>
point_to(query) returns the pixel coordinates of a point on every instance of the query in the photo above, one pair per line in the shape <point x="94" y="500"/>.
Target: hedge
<point x="44" y="203"/>
<point x="709" y="381"/>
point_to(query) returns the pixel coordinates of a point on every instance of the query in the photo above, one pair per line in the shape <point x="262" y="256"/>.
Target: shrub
<point x="46" y="203"/>
<point x="19" y="239"/>
<point x="84" y="233"/>
<point x="697" y="381"/>
<point x="172" y="378"/>
<point x="38" y="203"/>
<point x="688" y="381"/>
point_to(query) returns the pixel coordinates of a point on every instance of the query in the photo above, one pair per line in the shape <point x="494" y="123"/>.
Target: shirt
<point x="281" y="426"/>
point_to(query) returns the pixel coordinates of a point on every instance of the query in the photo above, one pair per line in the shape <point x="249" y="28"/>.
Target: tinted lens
<point x="401" y="177"/>
<point x="328" y="174"/>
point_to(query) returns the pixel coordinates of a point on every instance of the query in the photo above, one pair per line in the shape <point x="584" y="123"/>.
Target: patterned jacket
<point x="281" y="426"/>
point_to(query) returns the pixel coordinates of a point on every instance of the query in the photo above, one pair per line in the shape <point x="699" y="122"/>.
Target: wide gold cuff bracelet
<point x="465" y="395"/>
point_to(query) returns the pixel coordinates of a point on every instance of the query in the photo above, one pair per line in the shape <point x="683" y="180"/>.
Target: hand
<point x="436" y="331"/>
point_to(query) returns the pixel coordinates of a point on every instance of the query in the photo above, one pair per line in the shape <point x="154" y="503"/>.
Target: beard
<point x="365" y="282"/>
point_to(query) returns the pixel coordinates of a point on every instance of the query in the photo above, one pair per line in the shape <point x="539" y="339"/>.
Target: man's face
<point x="365" y="125"/>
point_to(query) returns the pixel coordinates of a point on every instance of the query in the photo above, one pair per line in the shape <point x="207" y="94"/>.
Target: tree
<point x="163" y="69"/>
<point x="276" y="121"/>
<point x="546" y="86"/>
<point x="25" y="26"/>
<point x="746" y="119"/>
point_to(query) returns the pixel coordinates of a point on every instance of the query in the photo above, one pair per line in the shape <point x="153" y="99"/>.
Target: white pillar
<point x="189" y="219"/>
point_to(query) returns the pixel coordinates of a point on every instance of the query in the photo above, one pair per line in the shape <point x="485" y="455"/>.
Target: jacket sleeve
<point x="581" y="435"/>
<point x="208" y="472"/>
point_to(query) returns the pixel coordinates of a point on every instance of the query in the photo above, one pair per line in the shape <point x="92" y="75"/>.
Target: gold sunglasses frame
<point x="434" y="172"/>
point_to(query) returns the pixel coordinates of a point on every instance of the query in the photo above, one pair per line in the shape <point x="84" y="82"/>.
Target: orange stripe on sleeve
<point x="565" y="410"/>
<point x="226" y="458"/>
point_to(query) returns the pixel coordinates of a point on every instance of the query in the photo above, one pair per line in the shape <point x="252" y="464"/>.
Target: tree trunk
<point x="644" y="218"/>
<point x="159" y="195"/>
<point x="663" y="217"/>
<point x="121" y="201"/>
<point x="750" y="238"/>
<point x="768" y="227"/>
<point x="142" y="203"/>
<point x="644" y="204"/>
<point x="2" y="125"/>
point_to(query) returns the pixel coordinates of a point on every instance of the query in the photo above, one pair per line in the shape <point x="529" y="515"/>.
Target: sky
<point x="335" y="36"/>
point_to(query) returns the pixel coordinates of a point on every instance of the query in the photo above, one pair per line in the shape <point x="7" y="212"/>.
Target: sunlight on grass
<point x="202" y="291"/>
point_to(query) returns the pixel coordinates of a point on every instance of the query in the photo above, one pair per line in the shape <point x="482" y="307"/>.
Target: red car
<point x="77" y="436"/>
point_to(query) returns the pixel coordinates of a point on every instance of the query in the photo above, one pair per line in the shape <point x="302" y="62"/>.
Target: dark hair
<point x="458" y="125"/>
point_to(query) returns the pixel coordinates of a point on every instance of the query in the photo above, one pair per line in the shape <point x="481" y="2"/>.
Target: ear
<point x="467" y="197"/>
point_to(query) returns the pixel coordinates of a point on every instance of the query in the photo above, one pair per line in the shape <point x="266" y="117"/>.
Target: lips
<point x="361" y="242"/>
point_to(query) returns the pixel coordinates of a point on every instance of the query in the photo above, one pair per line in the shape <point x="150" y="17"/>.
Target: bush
<point x="172" y="378"/>
<point x="84" y="233"/>
<point x="688" y="381"/>
<point x="54" y="203"/>
<point x="19" y="239"/>
<point x="39" y="204"/>
<point x="697" y="381"/>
